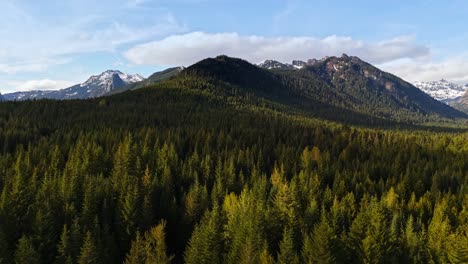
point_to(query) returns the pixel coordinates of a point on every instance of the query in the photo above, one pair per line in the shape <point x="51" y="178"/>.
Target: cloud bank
<point x="45" y="84"/>
<point x="189" y="48"/>
<point x="452" y="69"/>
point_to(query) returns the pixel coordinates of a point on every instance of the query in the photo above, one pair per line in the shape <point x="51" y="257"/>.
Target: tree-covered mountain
<point x="323" y="87"/>
<point x="95" y="86"/>
<point x="153" y="79"/>
<point x="345" y="83"/>
<point x="370" y="89"/>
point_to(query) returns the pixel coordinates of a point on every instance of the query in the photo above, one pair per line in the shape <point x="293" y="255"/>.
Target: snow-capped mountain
<point x="95" y="86"/>
<point x="272" y="64"/>
<point x="295" y="65"/>
<point x="442" y="90"/>
<point x="109" y="79"/>
<point x="1" y="97"/>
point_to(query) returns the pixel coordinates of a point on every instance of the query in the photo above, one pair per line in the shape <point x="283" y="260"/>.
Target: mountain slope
<point x="95" y="86"/>
<point x="365" y="88"/>
<point x="339" y="89"/>
<point x="153" y="79"/>
<point x="442" y="90"/>
<point x="461" y="103"/>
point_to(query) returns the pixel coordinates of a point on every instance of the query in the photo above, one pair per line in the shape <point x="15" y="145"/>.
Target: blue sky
<point x="53" y="44"/>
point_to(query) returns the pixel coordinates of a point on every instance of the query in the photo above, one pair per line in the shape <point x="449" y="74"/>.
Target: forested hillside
<point x="203" y="170"/>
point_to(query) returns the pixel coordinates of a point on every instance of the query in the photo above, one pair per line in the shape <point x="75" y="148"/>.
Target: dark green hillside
<point x="351" y="83"/>
<point x="209" y="167"/>
<point x="155" y="78"/>
<point x="343" y="85"/>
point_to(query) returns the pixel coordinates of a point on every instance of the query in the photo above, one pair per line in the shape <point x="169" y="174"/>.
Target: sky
<point x="51" y="44"/>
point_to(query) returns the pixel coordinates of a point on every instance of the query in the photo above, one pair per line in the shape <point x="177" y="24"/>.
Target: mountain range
<point x="351" y="83"/>
<point x="447" y="92"/>
<point x="442" y="90"/>
<point x="334" y="87"/>
<point x="95" y="86"/>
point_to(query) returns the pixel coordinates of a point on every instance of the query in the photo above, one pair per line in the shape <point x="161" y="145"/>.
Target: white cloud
<point x="37" y="42"/>
<point x="37" y="65"/>
<point x="452" y="69"/>
<point x="189" y="48"/>
<point x="29" y="67"/>
<point x="45" y="84"/>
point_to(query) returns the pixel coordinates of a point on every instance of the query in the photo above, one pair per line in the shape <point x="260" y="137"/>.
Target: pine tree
<point x="25" y="252"/>
<point x="149" y="249"/>
<point x="287" y="253"/>
<point x="76" y="239"/>
<point x="206" y="244"/>
<point x="137" y="254"/>
<point x="438" y="233"/>
<point x="458" y="246"/>
<point x="88" y="252"/>
<point x="318" y="248"/>
<point x="265" y="257"/>
<point x="64" y="248"/>
<point x="155" y="245"/>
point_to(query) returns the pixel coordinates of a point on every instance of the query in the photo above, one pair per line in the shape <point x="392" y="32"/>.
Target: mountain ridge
<point x="462" y="103"/>
<point x="332" y="84"/>
<point x="154" y="78"/>
<point x="94" y="86"/>
<point x="442" y="90"/>
<point x="338" y="82"/>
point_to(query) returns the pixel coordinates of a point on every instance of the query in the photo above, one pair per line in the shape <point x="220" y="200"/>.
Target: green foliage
<point x="287" y="253"/>
<point x="206" y="244"/>
<point x="151" y="248"/>
<point x="319" y="247"/>
<point x="25" y="252"/>
<point x="88" y="252"/>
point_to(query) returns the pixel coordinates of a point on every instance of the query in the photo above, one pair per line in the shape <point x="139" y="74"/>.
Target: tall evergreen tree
<point x="25" y="252"/>
<point x="319" y="247"/>
<point x="206" y="244"/>
<point x="288" y="253"/>
<point x="88" y="252"/>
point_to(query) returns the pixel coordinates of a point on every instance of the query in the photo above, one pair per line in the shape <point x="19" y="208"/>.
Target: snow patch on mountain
<point x="105" y="78"/>
<point x="272" y="64"/>
<point x="295" y="65"/>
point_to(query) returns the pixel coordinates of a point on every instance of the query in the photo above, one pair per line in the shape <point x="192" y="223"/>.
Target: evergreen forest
<point x="201" y="169"/>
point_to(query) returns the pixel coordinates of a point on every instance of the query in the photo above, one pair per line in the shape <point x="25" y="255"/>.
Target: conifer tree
<point x="88" y="252"/>
<point x="64" y="248"/>
<point x="155" y="245"/>
<point x="26" y="253"/>
<point x="287" y="253"/>
<point x="137" y="254"/>
<point x="206" y="244"/>
<point x="151" y="248"/>
<point x="318" y="247"/>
